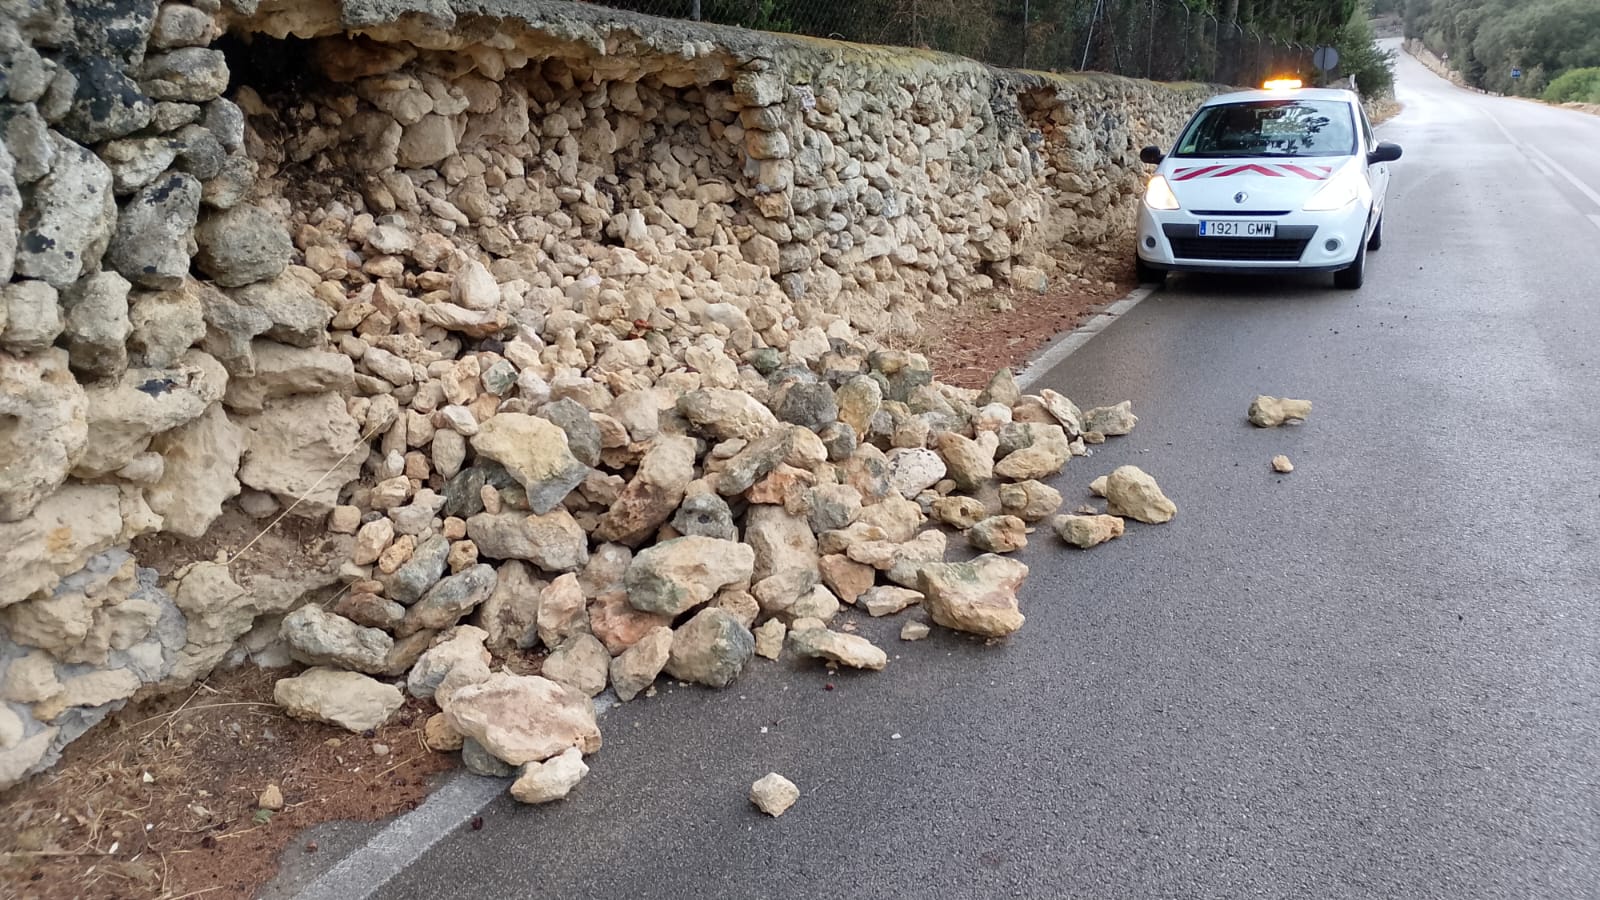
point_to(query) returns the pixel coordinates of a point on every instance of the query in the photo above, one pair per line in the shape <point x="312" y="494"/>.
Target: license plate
<point x="1239" y="229"/>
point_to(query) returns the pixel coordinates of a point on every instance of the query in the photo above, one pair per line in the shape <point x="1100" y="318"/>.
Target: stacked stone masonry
<point x="496" y="294"/>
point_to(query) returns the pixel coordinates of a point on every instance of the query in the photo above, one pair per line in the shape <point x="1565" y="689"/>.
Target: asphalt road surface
<point x="1378" y="676"/>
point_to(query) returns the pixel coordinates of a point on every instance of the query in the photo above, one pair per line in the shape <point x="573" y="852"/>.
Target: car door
<point x="1377" y="173"/>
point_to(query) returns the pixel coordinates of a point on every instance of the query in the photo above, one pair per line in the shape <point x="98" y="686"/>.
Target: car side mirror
<point x="1386" y="152"/>
<point x="1151" y="155"/>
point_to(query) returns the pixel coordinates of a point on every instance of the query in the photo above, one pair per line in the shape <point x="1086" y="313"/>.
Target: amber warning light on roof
<point x="1281" y="84"/>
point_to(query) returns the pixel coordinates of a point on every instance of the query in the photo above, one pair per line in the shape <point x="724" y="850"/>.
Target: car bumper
<point x="1304" y="242"/>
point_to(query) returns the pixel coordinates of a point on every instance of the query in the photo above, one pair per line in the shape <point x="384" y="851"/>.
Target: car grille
<point x="1240" y="213"/>
<point x="1288" y="246"/>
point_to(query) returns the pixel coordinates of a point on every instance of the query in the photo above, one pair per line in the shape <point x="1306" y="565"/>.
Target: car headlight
<point x="1346" y="188"/>
<point x="1158" y="194"/>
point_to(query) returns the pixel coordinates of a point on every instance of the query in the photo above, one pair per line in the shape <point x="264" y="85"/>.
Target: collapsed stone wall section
<point x="317" y="295"/>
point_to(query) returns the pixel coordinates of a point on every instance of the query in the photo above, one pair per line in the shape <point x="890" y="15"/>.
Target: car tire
<point x="1376" y="241"/>
<point x="1350" y="277"/>
<point x="1148" y="274"/>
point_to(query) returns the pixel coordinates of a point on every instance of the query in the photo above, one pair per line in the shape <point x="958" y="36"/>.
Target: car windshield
<point x="1270" y="128"/>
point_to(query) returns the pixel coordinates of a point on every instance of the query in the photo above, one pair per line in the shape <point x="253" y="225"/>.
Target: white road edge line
<point x="1539" y="156"/>
<point x="402" y="842"/>
<point x="1065" y="345"/>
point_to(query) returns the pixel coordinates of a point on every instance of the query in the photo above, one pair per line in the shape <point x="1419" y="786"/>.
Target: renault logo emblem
<point x="1240" y="197"/>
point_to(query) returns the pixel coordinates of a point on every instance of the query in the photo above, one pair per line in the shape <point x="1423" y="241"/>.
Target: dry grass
<point x="161" y="801"/>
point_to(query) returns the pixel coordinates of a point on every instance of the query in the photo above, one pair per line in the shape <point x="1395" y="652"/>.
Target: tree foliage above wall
<point x="1485" y="40"/>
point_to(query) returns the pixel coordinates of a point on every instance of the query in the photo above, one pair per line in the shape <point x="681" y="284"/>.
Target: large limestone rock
<point x="1044" y="455"/>
<point x="44" y="429"/>
<point x="653" y="494"/>
<point x="242" y="245"/>
<point x="969" y="462"/>
<point x="58" y="537"/>
<point x="554" y="542"/>
<point x="285" y="371"/>
<point x="302" y="448"/>
<point x="675" y="576"/>
<point x="200" y="472"/>
<point x="523" y="718"/>
<point x="581" y="663"/>
<point x="68" y="219"/>
<point x="1087" y="531"/>
<point x="845" y="649"/>
<point x="912" y="471"/>
<point x="726" y="414"/>
<point x="460" y="650"/>
<point x="710" y="649"/>
<point x="320" y="638"/>
<point x="30" y="316"/>
<point x="216" y="611"/>
<point x="781" y="542"/>
<point x="535" y="452"/>
<point x="152" y="240"/>
<point x="447" y="602"/>
<point x="636" y="668"/>
<point x="1132" y="493"/>
<point x="350" y="700"/>
<point x="1111" y="420"/>
<point x="97" y="326"/>
<point x="978" y="596"/>
<point x="295" y="315"/>
<point x="511" y="614"/>
<point x="124" y="416"/>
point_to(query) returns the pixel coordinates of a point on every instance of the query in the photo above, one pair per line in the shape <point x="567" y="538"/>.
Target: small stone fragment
<point x="886" y="600"/>
<point x="271" y="799"/>
<point x="1281" y="463"/>
<point x="1270" y="412"/>
<point x="769" y="639"/>
<point x="914" y="631"/>
<point x="550" y="780"/>
<point x="773" y="794"/>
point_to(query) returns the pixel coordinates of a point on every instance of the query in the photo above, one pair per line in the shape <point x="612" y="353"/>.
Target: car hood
<point x="1243" y="186"/>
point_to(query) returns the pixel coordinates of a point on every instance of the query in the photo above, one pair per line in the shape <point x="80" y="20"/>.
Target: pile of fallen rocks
<point x="670" y="527"/>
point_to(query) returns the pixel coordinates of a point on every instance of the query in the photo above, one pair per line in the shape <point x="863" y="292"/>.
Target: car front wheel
<point x="1350" y="277"/>
<point x="1148" y="274"/>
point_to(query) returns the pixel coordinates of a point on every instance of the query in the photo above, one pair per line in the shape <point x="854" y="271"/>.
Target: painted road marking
<point x="1539" y="156"/>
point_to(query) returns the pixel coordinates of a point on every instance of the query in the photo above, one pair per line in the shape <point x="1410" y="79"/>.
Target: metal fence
<point x="1167" y="40"/>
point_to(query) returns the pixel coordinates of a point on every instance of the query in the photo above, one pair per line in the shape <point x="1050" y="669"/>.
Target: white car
<point x="1278" y="179"/>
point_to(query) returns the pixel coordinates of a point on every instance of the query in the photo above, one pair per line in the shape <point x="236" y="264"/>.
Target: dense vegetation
<point x="1485" y="40"/>
<point x="1236" y="41"/>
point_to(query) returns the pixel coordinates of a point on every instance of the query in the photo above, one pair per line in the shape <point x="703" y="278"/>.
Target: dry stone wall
<point x="485" y="287"/>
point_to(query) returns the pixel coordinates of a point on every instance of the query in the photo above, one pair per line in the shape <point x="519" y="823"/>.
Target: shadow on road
<point x="1296" y="286"/>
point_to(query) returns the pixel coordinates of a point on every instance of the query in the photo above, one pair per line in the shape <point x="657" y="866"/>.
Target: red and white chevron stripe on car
<point x="1271" y="170"/>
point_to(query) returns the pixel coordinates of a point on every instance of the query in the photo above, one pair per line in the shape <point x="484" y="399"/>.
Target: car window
<point x="1270" y="128"/>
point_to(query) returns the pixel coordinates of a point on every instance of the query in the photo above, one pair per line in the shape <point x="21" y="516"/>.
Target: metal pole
<point x="694" y="10"/>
